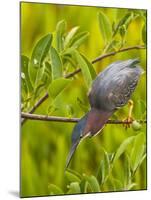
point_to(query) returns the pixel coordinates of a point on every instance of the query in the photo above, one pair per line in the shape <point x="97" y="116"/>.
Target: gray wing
<point x="113" y="90"/>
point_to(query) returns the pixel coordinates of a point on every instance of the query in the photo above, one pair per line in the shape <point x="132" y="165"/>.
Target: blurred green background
<point x="45" y="145"/>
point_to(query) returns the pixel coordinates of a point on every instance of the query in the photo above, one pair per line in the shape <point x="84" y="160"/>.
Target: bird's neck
<point x="96" y="120"/>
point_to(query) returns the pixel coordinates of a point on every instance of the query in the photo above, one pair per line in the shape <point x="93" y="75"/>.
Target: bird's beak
<point x="72" y="150"/>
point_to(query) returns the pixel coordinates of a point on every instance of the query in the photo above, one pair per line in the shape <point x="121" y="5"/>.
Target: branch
<point x="116" y="52"/>
<point x="79" y="70"/>
<point x="105" y="56"/>
<point x="65" y="119"/>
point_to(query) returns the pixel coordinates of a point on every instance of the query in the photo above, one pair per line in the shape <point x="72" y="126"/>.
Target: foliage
<point x="120" y="156"/>
<point x="77" y="183"/>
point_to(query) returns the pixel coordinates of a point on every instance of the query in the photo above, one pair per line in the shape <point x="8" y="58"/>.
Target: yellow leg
<point x="129" y="119"/>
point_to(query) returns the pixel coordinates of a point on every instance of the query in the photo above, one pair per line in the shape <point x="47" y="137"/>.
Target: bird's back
<point x="113" y="87"/>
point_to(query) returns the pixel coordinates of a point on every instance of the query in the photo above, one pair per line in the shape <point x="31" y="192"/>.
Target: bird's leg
<point x="129" y="119"/>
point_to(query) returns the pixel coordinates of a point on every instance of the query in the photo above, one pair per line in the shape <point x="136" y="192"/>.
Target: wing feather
<point x="113" y="90"/>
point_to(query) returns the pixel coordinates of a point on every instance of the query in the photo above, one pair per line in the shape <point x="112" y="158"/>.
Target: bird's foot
<point x="127" y="122"/>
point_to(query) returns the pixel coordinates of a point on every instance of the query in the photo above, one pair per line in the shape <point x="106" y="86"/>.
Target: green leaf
<point x="37" y="69"/>
<point x="129" y="19"/>
<point x="39" y="77"/>
<point x="104" y="167"/>
<point x="91" y="68"/>
<point x="55" y="189"/>
<point x="24" y="90"/>
<point x="114" y="45"/>
<point x="68" y="59"/>
<point x="124" y="21"/>
<point x="123" y="31"/>
<point x="43" y="79"/>
<point x="84" y="186"/>
<point x="24" y="70"/>
<point x="70" y="110"/>
<point x="68" y="51"/>
<point x="79" y="39"/>
<point x="40" y="50"/>
<point x="56" y="63"/>
<point x="93" y="183"/>
<point x="57" y="86"/>
<point x="137" y="151"/>
<point x="47" y="76"/>
<point x="87" y="71"/>
<point x="60" y="30"/>
<point x="131" y="186"/>
<point x="38" y="90"/>
<point x="123" y="147"/>
<point x="70" y="36"/>
<point x="72" y="177"/>
<point x="105" y="27"/>
<point x="117" y="184"/>
<point x="127" y="172"/>
<point x="51" y="109"/>
<point x="74" y="188"/>
<point x="75" y="173"/>
<point x="144" y="34"/>
<point x="141" y="109"/>
<point x="142" y="159"/>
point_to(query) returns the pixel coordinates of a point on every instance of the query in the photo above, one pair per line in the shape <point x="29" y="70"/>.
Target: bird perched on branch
<point x="111" y="90"/>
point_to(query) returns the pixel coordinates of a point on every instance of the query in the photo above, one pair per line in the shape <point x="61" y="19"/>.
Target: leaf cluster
<point x="48" y="65"/>
<point x="56" y="54"/>
<point x="133" y="149"/>
<point x="114" y="35"/>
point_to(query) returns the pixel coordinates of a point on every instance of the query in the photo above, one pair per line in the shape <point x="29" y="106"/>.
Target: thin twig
<point x="35" y="106"/>
<point x="116" y="52"/>
<point x="105" y="56"/>
<point x="42" y="99"/>
<point x="65" y="119"/>
<point x="72" y="73"/>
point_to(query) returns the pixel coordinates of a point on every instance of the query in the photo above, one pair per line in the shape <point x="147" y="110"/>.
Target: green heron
<point x="111" y="90"/>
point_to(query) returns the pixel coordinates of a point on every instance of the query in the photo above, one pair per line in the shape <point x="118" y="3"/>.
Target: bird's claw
<point x="127" y="122"/>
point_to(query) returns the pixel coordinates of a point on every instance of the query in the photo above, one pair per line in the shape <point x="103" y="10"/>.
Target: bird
<point x="111" y="90"/>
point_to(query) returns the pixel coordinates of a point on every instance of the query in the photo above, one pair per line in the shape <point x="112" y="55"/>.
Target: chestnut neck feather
<point x="96" y="119"/>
